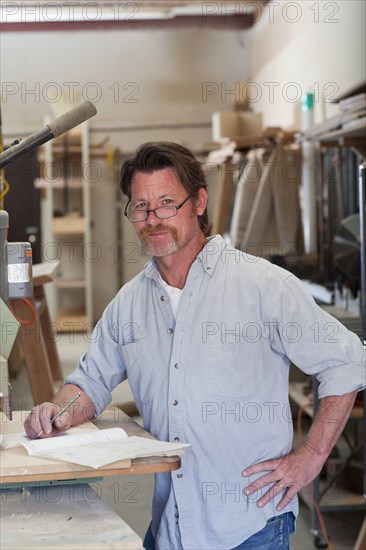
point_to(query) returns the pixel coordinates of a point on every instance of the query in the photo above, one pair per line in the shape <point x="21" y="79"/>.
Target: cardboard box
<point x="231" y="125"/>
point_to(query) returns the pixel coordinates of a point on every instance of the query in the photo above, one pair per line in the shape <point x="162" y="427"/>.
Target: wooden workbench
<point x="17" y="467"/>
<point x="44" y="505"/>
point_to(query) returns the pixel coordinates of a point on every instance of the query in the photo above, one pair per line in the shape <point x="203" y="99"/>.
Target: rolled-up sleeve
<point x="316" y="342"/>
<point x="101" y="369"/>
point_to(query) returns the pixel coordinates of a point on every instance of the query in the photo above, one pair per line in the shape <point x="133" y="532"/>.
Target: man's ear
<point x="201" y="201"/>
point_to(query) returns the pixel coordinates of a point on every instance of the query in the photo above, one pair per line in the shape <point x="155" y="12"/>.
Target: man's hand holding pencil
<point x="73" y="407"/>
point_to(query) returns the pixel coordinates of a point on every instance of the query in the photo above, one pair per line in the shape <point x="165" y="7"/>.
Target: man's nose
<point x="152" y="218"/>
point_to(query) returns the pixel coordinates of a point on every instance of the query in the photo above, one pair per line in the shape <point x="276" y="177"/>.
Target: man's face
<point x="162" y="237"/>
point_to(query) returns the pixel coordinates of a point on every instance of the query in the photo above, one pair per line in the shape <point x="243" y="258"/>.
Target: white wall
<point x="316" y="45"/>
<point x="163" y="73"/>
<point x="140" y="77"/>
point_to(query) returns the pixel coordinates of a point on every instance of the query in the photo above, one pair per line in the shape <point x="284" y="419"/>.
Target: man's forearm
<point x="298" y="468"/>
<point x="329" y="423"/>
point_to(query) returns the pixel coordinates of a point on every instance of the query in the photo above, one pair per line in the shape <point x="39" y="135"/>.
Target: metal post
<point x="315" y="530"/>
<point x="362" y="204"/>
<point x="5" y="386"/>
<point x="4" y="224"/>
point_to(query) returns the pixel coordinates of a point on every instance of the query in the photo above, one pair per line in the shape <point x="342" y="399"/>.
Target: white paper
<point x="96" y="455"/>
<point x="10" y="441"/>
<point x="94" y="448"/>
<point x="43" y="446"/>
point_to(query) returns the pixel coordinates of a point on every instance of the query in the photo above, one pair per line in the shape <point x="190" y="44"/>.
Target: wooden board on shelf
<point x="68" y="225"/>
<point x="70" y="284"/>
<point x="74" y="183"/>
<point x="44" y="272"/>
<point x="69" y="320"/>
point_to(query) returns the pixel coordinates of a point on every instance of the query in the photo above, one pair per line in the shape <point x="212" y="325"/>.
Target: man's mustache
<point x="154" y="229"/>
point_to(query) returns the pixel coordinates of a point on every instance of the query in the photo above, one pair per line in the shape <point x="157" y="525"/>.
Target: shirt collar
<point x="151" y="270"/>
<point x="211" y="253"/>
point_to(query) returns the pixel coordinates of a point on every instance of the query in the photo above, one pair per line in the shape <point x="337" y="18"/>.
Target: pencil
<point x="65" y="407"/>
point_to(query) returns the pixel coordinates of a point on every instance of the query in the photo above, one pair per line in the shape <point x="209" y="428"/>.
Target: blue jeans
<point x="274" y="536"/>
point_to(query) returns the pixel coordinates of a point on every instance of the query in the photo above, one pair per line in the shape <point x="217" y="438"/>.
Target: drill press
<point x="15" y="283"/>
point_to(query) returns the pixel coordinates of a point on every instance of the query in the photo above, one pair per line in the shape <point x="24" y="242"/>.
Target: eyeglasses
<point x="162" y="212"/>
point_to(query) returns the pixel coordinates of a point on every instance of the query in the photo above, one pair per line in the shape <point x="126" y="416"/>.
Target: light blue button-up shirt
<point x="217" y="378"/>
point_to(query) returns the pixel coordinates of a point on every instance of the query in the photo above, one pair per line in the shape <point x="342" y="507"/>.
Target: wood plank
<point x="75" y="183"/>
<point x="68" y="225"/>
<point x="70" y="284"/>
<point x="70" y="320"/>
<point x="35" y="353"/>
<point x="38" y="340"/>
<point x="361" y="539"/>
<point x="224" y="197"/>
<point x="44" y="272"/>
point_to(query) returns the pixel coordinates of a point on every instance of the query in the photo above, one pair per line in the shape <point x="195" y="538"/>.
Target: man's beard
<point x="158" y="249"/>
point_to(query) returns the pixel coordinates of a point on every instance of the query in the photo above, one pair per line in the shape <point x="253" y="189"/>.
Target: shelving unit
<point x="342" y="138"/>
<point x="67" y="228"/>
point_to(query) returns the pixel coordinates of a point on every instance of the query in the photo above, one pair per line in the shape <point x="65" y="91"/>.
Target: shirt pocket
<point x="224" y="372"/>
<point x="136" y="358"/>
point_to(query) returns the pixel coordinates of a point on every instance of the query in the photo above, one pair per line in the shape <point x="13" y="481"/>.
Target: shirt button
<point x="176" y="439"/>
<point x="177" y="365"/>
<point x="170" y="330"/>
<point x="176" y="515"/>
<point x="175" y="402"/>
<point x="162" y="298"/>
<point x="179" y="475"/>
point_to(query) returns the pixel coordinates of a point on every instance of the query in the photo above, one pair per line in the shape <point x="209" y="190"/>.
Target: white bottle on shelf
<point x="308" y="191"/>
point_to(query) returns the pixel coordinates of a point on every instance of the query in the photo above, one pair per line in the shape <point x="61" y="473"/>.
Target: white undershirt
<point x="174" y="294"/>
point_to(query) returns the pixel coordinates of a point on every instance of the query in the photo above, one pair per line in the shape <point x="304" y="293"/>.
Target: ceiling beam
<point x="225" y="23"/>
<point x="149" y="14"/>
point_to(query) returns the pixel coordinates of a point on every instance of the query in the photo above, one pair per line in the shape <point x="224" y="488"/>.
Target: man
<point x="205" y="335"/>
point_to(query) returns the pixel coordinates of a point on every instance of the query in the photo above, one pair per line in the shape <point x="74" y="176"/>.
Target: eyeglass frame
<point x="147" y="212"/>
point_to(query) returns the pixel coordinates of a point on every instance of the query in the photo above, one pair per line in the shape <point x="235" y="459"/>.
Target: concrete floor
<point x="130" y="496"/>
